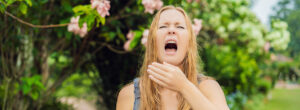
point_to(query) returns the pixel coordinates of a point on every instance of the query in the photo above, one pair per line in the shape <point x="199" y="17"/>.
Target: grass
<point x="284" y="99"/>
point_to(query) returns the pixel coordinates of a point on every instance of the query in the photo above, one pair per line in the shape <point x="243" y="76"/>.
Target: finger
<point x="157" y="81"/>
<point x="156" y="75"/>
<point x="157" y="70"/>
<point x="169" y="65"/>
<point x="161" y="66"/>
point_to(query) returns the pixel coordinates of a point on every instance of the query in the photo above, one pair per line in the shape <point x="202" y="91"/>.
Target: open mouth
<point x="170" y="47"/>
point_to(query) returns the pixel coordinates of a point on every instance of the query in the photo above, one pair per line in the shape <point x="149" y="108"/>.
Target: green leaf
<point x="102" y="20"/>
<point x="136" y="39"/>
<point x="81" y="21"/>
<point x="36" y="78"/>
<point x="23" y="8"/>
<point x="34" y="95"/>
<point x="9" y="2"/>
<point x="25" y="88"/>
<point x="82" y="8"/>
<point x="51" y="60"/>
<point x="120" y="34"/>
<point x="40" y="85"/>
<point x="98" y="23"/>
<point x="112" y="35"/>
<point x="29" y="2"/>
<point x="139" y="2"/>
<point x="90" y="20"/>
<point x="2" y="8"/>
<point x="66" y="5"/>
<point x="62" y="59"/>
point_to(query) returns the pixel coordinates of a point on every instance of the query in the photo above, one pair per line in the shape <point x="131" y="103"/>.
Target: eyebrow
<point x="177" y="23"/>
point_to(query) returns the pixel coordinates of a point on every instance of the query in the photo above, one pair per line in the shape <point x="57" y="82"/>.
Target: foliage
<point x="31" y="86"/>
<point x="288" y="11"/>
<point x="80" y="83"/>
<point x="255" y="102"/>
<point x="236" y="100"/>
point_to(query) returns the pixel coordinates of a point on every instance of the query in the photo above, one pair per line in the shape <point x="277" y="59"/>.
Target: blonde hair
<point x="150" y="98"/>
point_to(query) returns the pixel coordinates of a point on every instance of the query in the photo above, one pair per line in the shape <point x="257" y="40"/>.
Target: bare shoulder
<point x="208" y="84"/>
<point x="125" y="99"/>
<point x="213" y="91"/>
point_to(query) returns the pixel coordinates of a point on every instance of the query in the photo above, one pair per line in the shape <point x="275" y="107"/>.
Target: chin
<point x="171" y="60"/>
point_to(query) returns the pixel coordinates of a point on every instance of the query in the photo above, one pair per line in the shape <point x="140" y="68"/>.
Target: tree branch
<point x="111" y="48"/>
<point x="33" y="25"/>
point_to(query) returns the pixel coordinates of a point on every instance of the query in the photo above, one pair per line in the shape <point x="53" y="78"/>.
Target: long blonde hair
<point x="150" y="98"/>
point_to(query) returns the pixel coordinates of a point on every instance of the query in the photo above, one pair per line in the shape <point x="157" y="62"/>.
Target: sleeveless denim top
<point x="137" y="94"/>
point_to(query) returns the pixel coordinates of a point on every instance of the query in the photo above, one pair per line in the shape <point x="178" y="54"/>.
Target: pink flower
<point x="74" y="27"/>
<point x="126" y="45"/>
<point x="102" y="6"/>
<point x="130" y="36"/>
<point x="94" y="4"/>
<point x="267" y="46"/>
<point x="145" y="37"/>
<point x="151" y="5"/>
<point x="83" y="31"/>
<point x="197" y="26"/>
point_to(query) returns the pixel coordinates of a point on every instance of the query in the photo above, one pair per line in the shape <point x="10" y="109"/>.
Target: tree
<point x="289" y="11"/>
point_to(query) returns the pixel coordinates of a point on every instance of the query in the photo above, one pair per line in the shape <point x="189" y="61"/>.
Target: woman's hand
<point x="211" y="96"/>
<point x="167" y="75"/>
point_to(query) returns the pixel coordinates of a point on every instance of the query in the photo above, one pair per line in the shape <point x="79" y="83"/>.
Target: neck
<point x="181" y="67"/>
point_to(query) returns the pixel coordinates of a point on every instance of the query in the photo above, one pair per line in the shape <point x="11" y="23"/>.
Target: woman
<point x="168" y="78"/>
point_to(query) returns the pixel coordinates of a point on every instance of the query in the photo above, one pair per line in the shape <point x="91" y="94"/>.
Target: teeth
<point x="171" y="42"/>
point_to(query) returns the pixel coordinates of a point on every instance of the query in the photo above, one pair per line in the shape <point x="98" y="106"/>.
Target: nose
<point x="171" y="31"/>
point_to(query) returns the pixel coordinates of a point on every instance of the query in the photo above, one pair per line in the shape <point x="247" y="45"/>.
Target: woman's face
<point x="172" y="37"/>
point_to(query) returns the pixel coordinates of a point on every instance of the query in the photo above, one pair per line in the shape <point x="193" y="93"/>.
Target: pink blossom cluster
<point x="74" y="27"/>
<point x="267" y="47"/>
<point x="197" y="26"/>
<point x="102" y="6"/>
<point x="129" y="36"/>
<point x="189" y="1"/>
<point x="151" y="5"/>
<point x="145" y="37"/>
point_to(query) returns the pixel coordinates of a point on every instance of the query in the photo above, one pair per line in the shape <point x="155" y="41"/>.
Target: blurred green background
<point x="44" y="65"/>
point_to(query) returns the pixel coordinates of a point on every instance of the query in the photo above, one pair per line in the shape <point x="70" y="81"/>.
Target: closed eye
<point x="180" y="27"/>
<point x="162" y="27"/>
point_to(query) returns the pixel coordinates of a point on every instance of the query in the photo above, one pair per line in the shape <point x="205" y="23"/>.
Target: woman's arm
<point x="207" y="96"/>
<point x="126" y="98"/>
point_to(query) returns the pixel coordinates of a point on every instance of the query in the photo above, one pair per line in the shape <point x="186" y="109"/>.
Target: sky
<point x="263" y="9"/>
